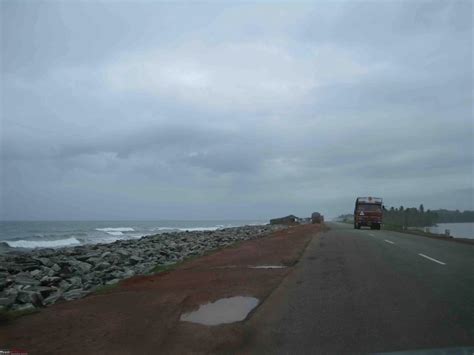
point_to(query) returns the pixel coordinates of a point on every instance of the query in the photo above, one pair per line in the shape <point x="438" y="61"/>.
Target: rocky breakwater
<point x="41" y="277"/>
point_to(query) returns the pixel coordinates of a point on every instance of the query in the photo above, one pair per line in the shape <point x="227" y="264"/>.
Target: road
<point x="359" y="291"/>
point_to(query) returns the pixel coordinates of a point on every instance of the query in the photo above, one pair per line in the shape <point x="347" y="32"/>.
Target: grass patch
<point x="164" y="268"/>
<point x="104" y="289"/>
<point x="9" y="315"/>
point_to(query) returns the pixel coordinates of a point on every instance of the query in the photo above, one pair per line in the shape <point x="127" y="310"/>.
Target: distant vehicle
<point x="317" y="217"/>
<point x="368" y="212"/>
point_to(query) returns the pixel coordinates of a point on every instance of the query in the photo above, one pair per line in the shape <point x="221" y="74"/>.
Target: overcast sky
<point x="147" y="110"/>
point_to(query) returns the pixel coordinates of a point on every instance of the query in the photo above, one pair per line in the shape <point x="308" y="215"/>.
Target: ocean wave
<point x="119" y="229"/>
<point x="115" y="231"/>
<point x="31" y="244"/>
<point x="191" y="229"/>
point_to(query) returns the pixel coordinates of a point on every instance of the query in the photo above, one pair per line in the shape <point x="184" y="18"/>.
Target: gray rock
<point x="23" y="307"/>
<point x="94" y="260"/>
<point x="34" y="298"/>
<point x="112" y="282"/>
<point x="6" y="301"/>
<point x="45" y="291"/>
<point x="102" y="266"/>
<point x="56" y="268"/>
<point x="45" y="262"/>
<point x="11" y="293"/>
<point x="53" y="298"/>
<point x="123" y="252"/>
<point x="74" y="294"/>
<point x="64" y="285"/>
<point x="25" y="279"/>
<point x="23" y="297"/>
<point x="80" y="265"/>
<point x="106" y="254"/>
<point x="75" y="281"/>
<point x="87" y="256"/>
<point x="35" y="272"/>
<point x="50" y="280"/>
<point x="135" y="259"/>
<point x="128" y="273"/>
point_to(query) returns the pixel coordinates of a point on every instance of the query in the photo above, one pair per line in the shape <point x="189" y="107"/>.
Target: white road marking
<point x="427" y="257"/>
<point x="389" y="241"/>
<point x="371" y="235"/>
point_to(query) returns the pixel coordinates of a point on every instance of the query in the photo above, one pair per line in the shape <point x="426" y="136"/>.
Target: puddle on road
<point x="223" y="311"/>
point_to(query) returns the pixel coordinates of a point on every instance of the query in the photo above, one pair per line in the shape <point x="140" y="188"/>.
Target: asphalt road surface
<point x="364" y="291"/>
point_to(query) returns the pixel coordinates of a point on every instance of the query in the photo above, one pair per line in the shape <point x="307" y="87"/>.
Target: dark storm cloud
<point x="160" y="110"/>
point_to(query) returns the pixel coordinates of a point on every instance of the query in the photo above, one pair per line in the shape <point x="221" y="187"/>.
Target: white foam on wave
<point x="115" y="231"/>
<point x="119" y="229"/>
<point x="190" y="229"/>
<point x="31" y="244"/>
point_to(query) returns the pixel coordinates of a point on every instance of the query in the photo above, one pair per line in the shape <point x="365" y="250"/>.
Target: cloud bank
<point x="159" y="111"/>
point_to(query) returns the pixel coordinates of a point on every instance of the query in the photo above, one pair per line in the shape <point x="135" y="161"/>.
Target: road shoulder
<point x="143" y="313"/>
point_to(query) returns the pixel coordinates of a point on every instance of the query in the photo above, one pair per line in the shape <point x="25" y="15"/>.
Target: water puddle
<point x="223" y="311"/>
<point x="267" y="267"/>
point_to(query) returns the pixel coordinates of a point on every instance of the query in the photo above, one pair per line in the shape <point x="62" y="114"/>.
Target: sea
<point x="456" y="230"/>
<point x="56" y="234"/>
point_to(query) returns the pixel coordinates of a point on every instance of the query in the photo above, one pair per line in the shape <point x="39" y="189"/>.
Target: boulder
<point x="74" y="294"/>
<point x="112" y="282"/>
<point x="23" y="307"/>
<point x="35" y="272"/>
<point x="45" y="262"/>
<point x="102" y="266"/>
<point x="6" y="301"/>
<point x="25" y="279"/>
<point x="80" y="266"/>
<point x="50" y="280"/>
<point x="128" y="273"/>
<point x="53" y="298"/>
<point x="32" y="297"/>
<point x="135" y="259"/>
<point x="75" y="281"/>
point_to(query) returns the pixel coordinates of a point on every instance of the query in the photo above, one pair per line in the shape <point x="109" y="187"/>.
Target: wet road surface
<point x="359" y="291"/>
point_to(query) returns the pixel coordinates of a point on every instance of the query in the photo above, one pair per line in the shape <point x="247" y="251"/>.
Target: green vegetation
<point x="446" y="216"/>
<point x="105" y="289"/>
<point x="409" y="217"/>
<point x="164" y="268"/>
<point x="8" y="315"/>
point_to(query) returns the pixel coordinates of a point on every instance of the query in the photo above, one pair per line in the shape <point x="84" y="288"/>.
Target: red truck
<point x="368" y="212"/>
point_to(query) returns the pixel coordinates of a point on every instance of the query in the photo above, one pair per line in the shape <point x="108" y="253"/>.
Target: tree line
<point x="419" y="217"/>
<point x="410" y="217"/>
